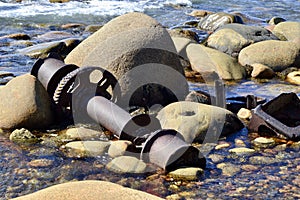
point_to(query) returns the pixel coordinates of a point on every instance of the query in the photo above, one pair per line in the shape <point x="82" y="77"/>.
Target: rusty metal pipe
<point x="118" y="121"/>
<point x="50" y="71"/>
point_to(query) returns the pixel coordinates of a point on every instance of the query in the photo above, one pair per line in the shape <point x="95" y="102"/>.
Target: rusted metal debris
<point x="280" y="116"/>
<point x="166" y="148"/>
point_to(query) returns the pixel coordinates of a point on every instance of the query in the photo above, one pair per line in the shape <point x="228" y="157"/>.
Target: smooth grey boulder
<point x="89" y="190"/>
<point x="24" y="104"/>
<point x="232" y="38"/>
<point x="141" y="55"/>
<point x="207" y="61"/>
<point x="198" y="122"/>
<point x="278" y="55"/>
<point x="214" y="21"/>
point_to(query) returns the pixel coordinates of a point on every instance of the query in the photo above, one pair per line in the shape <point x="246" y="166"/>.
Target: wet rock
<point x="262" y="71"/>
<point x="244" y="114"/>
<point x="5" y="77"/>
<point x="186" y="174"/>
<point x="72" y="25"/>
<point x="287" y="30"/>
<point x="86" y="148"/>
<point x="126" y="164"/>
<point x="199" y="97"/>
<point x="82" y="133"/>
<point x="216" y="158"/>
<point x="222" y="146"/>
<point x="195" y="121"/>
<point x="263" y="142"/>
<point x="91" y="190"/>
<point x="294" y="77"/>
<point x="118" y="148"/>
<point x="16" y="36"/>
<point x="61" y="47"/>
<point x="145" y="48"/>
<point x="262" y="160"/>
<point x="242" y="151"/>
<point x="216" y="20"/>
<point x="207" y="61"/>
<point x="184" y="33"/>
<point x="41" y="163"/>
<point x="93" y="28"/>
<point x="23" y="136"/>
<point x="249" y="167"/>
<point x="276" y="20"/>
<point x="278" y="55"/>
<point x="232" y="38"/>
<point x="181" y="44"/>
<point x="229" y="169"/>
<point x="200" y="13"/>
<point x="54" y="35"/>
<point x="24" y="104"/>
<point x="239" y="143"/>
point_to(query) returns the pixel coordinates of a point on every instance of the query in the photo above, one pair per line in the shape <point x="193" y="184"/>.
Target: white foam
<point x="94" y="7"/>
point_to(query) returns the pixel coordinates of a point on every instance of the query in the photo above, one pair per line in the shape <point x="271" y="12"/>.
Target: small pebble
<point x="222" y="146"/>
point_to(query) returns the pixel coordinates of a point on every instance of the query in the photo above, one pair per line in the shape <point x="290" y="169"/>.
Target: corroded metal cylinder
<point x="167" y="149"/>
<point x="50" y="71"/>
<point x="118" y="121"/>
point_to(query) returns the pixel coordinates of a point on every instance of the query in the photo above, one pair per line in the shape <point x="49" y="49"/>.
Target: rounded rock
<point x="242" y="151"/>
<point x="86" y="148"/>
<point x="262" y="71"/>
<point x="294" y="77"/>
<point x="186" y="174"/>
<point x="278" y="55"/>
<point x="91" y="190"/>
<point x="24" y="104"/>
<point x="127" y="164"/>
<point x="23" y="136"/>
<point x="118" y="148"/>
<point x="194" y="120"/>
<point x="287" y="30"/>
<point x="263" y="142"/>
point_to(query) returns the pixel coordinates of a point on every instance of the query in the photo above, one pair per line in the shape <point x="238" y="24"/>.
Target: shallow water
<point x="40" y="16"/>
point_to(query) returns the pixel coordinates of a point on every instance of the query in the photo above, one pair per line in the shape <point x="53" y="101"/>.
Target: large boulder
<point x="199" y="122"/>
<point x="232" y="38"/>
<point x="278" y="55"/>
<point x="214" y="21"/>
<point x="141" y="55"/>
<point x="89" y="190"/>
<point x="287" y="30"/>
<point x="24" y="104"/>
<point x="206" y="60"/>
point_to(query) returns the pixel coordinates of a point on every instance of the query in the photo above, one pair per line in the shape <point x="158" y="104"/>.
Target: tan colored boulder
<point x="197" y="121"/>
<point x="24" y="104"/>
<point x="116" y="26"/>
<point x="141" y="55"/>
<point x="287" y="30"/>
<point x="232" y="38"/>
<point x="206" y="60"/>
<point x="278" y="55"/>
<point x="88" y="190"/>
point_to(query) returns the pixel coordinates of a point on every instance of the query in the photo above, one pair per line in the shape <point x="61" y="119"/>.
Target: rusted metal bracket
<point x="279" y="116"/>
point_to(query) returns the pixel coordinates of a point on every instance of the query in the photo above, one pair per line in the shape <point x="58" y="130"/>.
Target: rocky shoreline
<point x="232" y="51"/>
